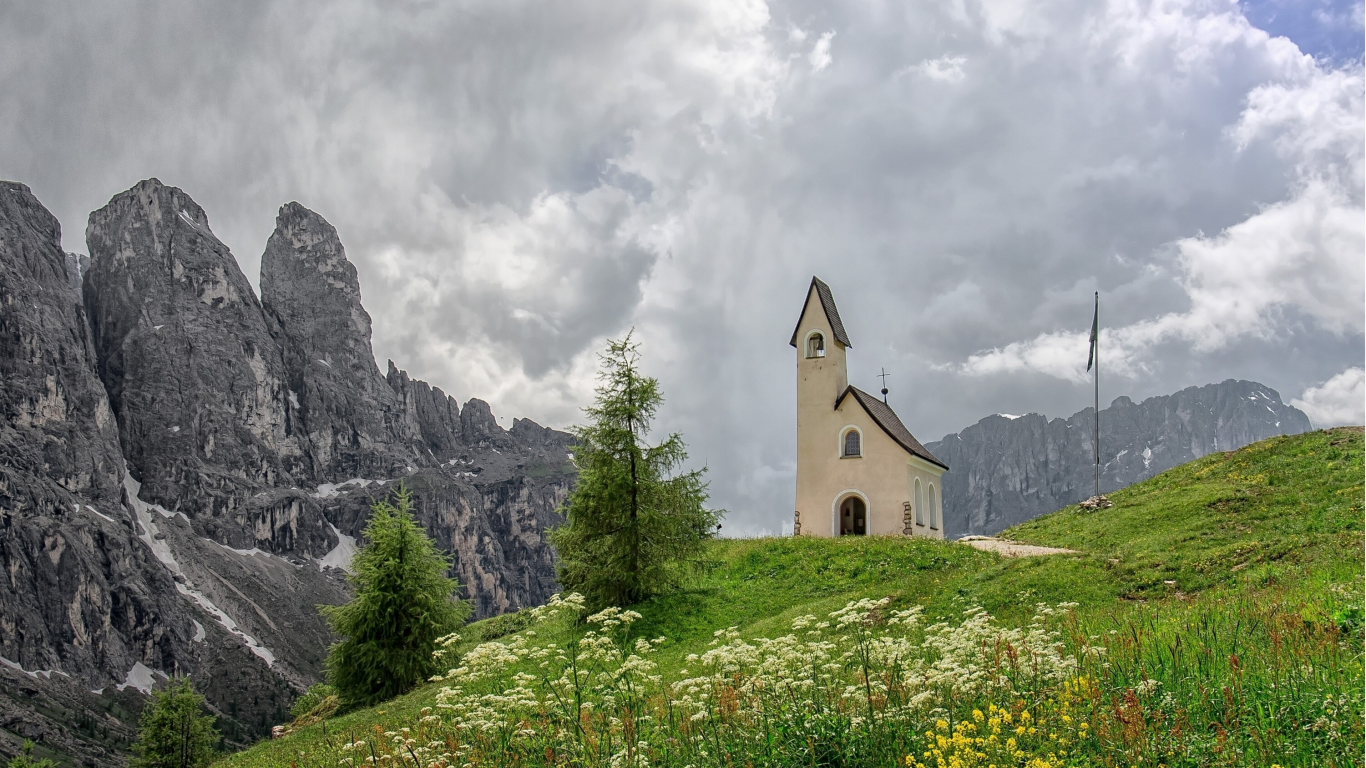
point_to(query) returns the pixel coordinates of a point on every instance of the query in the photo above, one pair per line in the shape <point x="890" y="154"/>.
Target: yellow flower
<point x="977" y="715"/>
<point x="942" y="725"/>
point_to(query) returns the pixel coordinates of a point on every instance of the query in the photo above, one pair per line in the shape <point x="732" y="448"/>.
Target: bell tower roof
<point x="832" y="313"/>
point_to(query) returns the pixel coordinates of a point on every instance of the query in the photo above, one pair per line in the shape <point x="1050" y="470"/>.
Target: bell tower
<point x="821" y="342"/>
<point x="822" y="376"/>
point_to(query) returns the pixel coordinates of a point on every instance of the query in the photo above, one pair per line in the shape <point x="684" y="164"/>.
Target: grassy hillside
<point x="1211" y="617"/>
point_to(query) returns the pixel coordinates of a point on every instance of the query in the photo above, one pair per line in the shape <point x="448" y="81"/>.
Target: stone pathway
<point x="1012" y="548"/>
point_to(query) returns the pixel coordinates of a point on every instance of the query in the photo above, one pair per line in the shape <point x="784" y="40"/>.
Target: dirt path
<point x="1013" y="548"/>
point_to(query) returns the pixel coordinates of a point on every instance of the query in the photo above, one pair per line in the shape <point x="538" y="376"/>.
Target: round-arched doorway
<point x="853" y="517"/>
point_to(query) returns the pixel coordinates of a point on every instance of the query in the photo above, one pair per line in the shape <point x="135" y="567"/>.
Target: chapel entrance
<point x="853" y="517"/>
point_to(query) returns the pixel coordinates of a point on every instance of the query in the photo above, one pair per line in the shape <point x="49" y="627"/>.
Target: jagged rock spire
<point x="355" y="423"/>
<point x="193" y="374"/>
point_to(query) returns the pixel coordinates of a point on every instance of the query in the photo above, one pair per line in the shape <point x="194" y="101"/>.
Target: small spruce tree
<point x="404" y="602"/>
<point x="634" y="525"/>
<point x="25" y="759"/>
<point x="174" y="731"/>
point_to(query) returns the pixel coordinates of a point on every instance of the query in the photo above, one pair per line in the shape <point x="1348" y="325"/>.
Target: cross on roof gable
<point x="832" y="314"/>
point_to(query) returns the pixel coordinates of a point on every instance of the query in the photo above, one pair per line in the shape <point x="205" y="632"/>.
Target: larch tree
<point x="174" y="731"/>
<point x="404" y="603"/>
<point x="635" y="525"/>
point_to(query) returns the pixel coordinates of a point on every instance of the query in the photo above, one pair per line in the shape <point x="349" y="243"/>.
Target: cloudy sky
<point x="518" y="181"/>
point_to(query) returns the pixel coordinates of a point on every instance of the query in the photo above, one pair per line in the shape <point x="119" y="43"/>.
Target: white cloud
<point x="1056" y="354"/>
<point x="1301" y="255"/>
<point x="1340" y="400"/>
<point x="820" y="57"/>
<point x="1317" y="122"/>
<point x="945" y="69"/>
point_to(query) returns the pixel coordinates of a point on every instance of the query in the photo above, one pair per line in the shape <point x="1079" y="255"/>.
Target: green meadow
<point x="1212" y="616"/>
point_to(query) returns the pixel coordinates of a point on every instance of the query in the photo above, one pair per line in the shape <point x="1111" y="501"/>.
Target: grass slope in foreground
<point x="1211" y="617"/>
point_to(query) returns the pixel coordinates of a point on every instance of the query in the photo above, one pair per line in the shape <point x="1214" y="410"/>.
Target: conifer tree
<point x="25" y="758"/>
<point x="173" y="731"/>
<point x="404" y="602"/>
<point x="635" y="526"/>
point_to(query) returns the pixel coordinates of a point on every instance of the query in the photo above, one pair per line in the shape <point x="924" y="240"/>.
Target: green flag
<point x="1095" y="334"/>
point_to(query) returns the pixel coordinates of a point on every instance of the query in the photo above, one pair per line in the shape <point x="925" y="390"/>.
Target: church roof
<point x="831" y="312"/>
<point x="887" y="419"/>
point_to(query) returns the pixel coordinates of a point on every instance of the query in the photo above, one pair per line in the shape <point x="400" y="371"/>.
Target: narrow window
<point x="919" y="504"/>
<point x="815" y="346"/>
<point x="851" y="443"/>
<point x="936" y="515"/>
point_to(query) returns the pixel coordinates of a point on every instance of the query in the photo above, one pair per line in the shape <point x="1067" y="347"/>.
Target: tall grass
<point x="1235" y="678"/>
<point x="1230" y="680"/>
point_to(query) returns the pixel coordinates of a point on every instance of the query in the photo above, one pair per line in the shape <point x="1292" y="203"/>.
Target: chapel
<point x="860" y="471"/>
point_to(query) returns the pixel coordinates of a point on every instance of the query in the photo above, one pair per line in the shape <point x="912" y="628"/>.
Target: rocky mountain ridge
<point x="1007" y="469"/>
<point x="184" y="468"/>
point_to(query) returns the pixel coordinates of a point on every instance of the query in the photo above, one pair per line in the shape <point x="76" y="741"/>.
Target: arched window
<point x="815" y="345"/>
<point x="936" y="515"/>
<point x="919" y="503"/>
<point x="853" y="445"/>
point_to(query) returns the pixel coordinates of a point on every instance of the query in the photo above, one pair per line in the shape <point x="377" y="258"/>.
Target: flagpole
<point x="1097" y="391"/>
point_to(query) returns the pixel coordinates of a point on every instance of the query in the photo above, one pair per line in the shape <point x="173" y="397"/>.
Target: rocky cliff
<point x="185" y="468"/>
<point x="206" y="418"/>
<point x="356" y="425"/>
<point x="81" y="591"/>
<point x="1008" y="469"/>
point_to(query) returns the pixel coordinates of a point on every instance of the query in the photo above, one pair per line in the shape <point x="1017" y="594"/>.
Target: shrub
<point x="1348" y="620"/>
<point x="403" y="604"/>
<point x="311" y="699"/>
